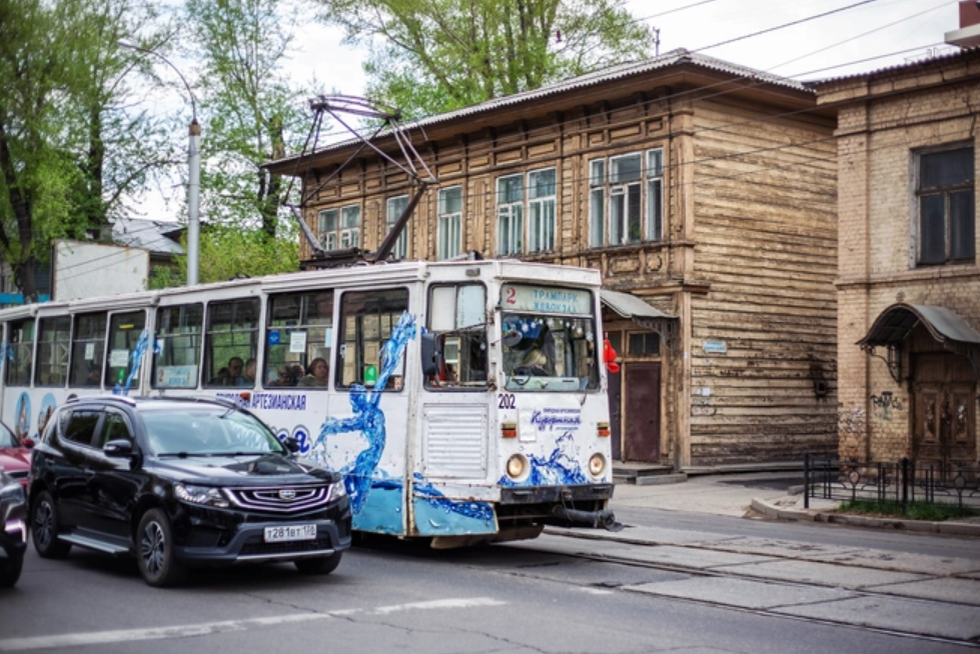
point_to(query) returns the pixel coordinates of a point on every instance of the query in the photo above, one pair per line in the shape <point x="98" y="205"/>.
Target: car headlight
<point x="201" y="495"/>
<point x="13" y="492"/>
<point x="337" y="491"/>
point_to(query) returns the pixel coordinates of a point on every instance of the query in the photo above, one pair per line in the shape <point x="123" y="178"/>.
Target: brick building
<point x="704" y="192"/>
<point x="908" y="283"/>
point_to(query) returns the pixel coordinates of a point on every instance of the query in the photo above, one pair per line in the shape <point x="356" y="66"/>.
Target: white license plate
<point x="288" y="533"/>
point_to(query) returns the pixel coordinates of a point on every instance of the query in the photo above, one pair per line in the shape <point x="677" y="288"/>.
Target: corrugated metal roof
<point x="894" y="68"/>
<point x="147" y="234"/>
<point x="608" y="74"/>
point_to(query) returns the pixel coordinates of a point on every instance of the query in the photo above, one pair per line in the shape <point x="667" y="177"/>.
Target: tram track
<point x="930" y="605"/>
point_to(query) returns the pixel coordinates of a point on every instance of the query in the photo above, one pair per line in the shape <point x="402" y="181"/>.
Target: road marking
<point x="227" y="626"/>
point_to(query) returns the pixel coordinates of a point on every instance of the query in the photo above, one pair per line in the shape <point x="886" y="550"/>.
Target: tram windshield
<point x="549" y="349"/>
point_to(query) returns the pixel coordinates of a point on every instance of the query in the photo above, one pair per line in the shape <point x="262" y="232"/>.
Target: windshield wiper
<point x="184" y="455"/>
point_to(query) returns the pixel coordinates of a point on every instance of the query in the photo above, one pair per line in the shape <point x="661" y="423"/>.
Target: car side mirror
<point x="291" y="444"/>
<point x="27" y="442"/>
<point x="431" y="354"/>
<point x="119" y="448"/>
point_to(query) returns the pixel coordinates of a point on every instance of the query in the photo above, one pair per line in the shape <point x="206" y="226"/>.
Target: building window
<point x="510" y="214"/>
<point x="450" y="222"/>
<point x="644" y="344"/>
<point x="394" y="208"/>
<point x="340" y="228"/>
<point x="616" y="200"/>
<point x="946" y="211"/>
<point x="541" y="210"/>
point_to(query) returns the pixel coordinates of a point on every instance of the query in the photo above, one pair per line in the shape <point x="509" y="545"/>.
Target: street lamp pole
<point x="194" y="174"/>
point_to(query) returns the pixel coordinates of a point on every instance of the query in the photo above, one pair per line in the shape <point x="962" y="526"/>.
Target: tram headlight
<point x="597" y="464"/>
<point x="517" y="466"/>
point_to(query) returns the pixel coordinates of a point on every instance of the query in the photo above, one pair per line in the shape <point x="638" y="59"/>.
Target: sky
<point x="877" y="34"/>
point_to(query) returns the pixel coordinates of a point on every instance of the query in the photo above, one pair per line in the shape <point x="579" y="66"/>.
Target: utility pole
<point x="193" y="176"/>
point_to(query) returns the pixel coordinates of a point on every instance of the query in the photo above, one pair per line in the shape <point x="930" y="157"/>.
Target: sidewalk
<point x="741" y="493"/>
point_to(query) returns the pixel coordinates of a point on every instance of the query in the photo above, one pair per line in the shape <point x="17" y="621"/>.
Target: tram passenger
<point x="317" y="373"/>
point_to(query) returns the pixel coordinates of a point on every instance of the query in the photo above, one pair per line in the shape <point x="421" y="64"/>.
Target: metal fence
<point x="903" y="482"/>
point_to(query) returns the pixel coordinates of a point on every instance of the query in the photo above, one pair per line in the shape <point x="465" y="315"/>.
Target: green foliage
<point x="913" y="510"/>
<point x="227" y="252"/>
<point x="251" y="112"/>
<point x="66" y="151"/>
<point x="431" y="56"/>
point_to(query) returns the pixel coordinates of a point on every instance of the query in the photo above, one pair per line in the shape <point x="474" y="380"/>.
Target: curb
<point x="918" y="526"/>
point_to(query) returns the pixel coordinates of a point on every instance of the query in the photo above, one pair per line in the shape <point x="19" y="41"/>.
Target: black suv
<point x="181" y="483"/>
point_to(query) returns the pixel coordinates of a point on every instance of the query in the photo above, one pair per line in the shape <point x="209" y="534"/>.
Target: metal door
<point x="642" y="424"/>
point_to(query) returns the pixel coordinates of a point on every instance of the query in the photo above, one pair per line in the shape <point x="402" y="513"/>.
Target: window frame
<point x="24" y="345"/>
<point x="449" y="225"/>
<point x="77" y="375"/>
<point x="541" y="227"/>
<point x="167" y="348"/>
<point x="640" y="201"/>
<point x="317" y="324"/>
<point x="351" y="331"/>
<point x="41" y="367"/>
<point x="946" y="193"/>
<point x="510" y="236"/>
<point x="392" y="214"/>
<point x="345" y="231"/>
<point x="211" y="365"/>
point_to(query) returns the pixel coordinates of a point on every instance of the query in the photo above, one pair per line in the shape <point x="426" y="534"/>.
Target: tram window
<point x="457" y="321"/>
<point x="232" y="334"/>
<point x="20" y="353"/>
<point x="125" y="330"/>
<point x="178" y="353"/>
<point x="87" y="349"/>
<point x="53" y="344"/>
<point x="300" y="331"/>
<point x="366" y="322"/>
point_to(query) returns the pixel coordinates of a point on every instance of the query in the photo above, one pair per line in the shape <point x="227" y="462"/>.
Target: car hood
<point x="15" y="458"/>
<point x="244" y="470"/>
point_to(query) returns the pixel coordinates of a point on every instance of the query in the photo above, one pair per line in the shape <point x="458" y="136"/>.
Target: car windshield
<point x="208" y="431"/>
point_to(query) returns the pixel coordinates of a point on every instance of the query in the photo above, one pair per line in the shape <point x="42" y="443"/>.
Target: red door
<point x="641" y="385"/>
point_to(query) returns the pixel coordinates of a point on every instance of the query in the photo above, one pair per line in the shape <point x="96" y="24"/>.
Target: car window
<point x="114" y="427"/>
<point x="81" y="426"/>
<point x="7" y="438"/>
<point x="208" y="430"/>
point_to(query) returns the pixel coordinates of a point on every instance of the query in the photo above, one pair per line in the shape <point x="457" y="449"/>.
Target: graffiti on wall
<point x="850" y="428"/>
<point x="884" y="404"/>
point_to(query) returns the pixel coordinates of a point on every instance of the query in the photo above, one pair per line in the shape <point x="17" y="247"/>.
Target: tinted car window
<point x="208" y="430"/>
<point x="81" y="426"/>
<point x="114" y="427"/>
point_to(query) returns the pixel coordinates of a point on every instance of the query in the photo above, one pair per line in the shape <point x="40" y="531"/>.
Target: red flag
<point x="609" y="356"/>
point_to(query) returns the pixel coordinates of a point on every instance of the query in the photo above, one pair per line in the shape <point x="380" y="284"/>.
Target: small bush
<point x="913" y="511"/>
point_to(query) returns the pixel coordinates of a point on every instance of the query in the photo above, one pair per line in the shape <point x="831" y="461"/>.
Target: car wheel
<point x="319" y="566"/>
<point x="45" y="530"/>
<point x="156" y="556"/>
<point x="10" y="570"/>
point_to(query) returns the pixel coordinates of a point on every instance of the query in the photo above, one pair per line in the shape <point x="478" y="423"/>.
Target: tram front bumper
<point x="563" y="506"/>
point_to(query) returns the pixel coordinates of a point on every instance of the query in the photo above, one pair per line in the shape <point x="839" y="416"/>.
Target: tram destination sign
<point x="545" y="299"/>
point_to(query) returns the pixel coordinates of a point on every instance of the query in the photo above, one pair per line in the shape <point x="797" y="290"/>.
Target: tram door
<point x="944" y="418"/>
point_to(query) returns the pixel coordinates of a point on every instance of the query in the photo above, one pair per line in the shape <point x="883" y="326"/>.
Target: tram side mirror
<point x="431" y="354"/>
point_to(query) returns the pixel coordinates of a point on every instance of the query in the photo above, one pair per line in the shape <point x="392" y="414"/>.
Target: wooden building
<point x="705" y="193"/>
<point x="908" y="282"/>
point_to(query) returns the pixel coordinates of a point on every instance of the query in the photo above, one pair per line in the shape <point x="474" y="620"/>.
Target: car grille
<point x="255" y="546"/>
<point x="280" y="499"/>
<point x="200" y="537"/>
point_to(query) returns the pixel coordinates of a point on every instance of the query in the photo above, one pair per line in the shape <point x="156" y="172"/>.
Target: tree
<point x="60" y="72"/>
<point x="227" y="251"/>
<point x="252" y="115"/>
<point x="431" y="56"/>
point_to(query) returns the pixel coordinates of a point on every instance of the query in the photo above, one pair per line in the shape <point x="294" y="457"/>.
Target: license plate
<point x="288" y="533"/>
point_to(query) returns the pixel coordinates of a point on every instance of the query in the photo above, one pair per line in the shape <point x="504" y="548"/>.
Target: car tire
<point x="155" y="551"/>
<point x="323" y="565"/>
<point x="45" y="529"/>
<point x="10" y="570"/>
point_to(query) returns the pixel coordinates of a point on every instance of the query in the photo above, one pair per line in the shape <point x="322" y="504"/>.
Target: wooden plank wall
<point x="766" y="234"/>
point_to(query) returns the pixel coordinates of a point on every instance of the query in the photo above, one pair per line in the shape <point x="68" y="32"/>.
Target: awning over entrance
<point x="647" y="316"/>
<point x="894" y="324"/>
